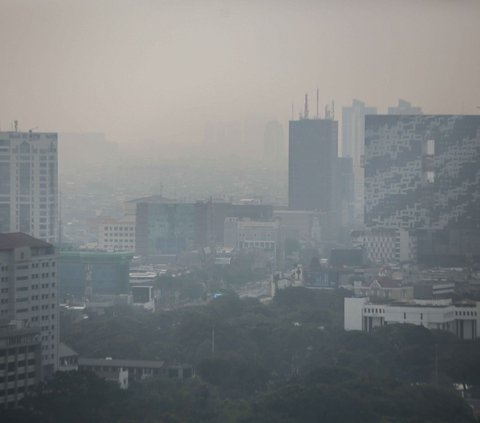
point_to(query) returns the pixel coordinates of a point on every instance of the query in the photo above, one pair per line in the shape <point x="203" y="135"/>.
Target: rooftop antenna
<point x="333" y="109"/>
<point x="317" y="103"/>
<point x="15" y="125"/>
<point x="306" y="107"/>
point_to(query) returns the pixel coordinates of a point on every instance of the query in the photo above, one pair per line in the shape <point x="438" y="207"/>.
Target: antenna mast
<point x="317" y="103"/>
<point x="306" y="107"/>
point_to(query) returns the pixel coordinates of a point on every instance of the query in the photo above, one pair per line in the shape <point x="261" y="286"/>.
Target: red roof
<point x="9" y="241"/>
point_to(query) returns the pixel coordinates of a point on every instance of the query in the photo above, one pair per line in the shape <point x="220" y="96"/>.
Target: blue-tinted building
<point x="92" y="272"/>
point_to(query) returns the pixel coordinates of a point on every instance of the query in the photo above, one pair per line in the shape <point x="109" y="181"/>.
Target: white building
<point x="29" y="184"/>
<point x="28" y="290"/>
<point x="461" y="319"/>
<point x="117" y="235"/>
<point x="385" y="245"/>
<point x="353" y="145"/>
<point x="245" y="234"/>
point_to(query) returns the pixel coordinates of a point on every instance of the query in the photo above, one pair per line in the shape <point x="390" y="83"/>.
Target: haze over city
<point x="160" y="71"/>
<point x="239" y="211"/>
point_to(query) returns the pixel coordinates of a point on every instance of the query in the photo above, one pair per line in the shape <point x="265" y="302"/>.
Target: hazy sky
<point x="158" y="70"/>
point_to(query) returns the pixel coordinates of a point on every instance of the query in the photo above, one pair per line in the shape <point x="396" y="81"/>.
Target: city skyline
<point x="137" y="71"/>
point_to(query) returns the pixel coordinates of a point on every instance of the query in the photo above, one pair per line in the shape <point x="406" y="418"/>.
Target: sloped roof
<point x="9" y="241"/>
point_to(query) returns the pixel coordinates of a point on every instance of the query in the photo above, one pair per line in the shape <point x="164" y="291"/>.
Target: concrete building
<point x="422" y="175"/>
<point x="84" y="273"/>
<point x="353" y="146"/>
<point x="384" y="245"/>
<point x="116" y="235"/>
<point x="384" y="288"/>
<point x="461" y="319"/>
<point x="28" y="290"/>
<point x="301" y="225"/>
<point x="251" y="234"/>
<point x="29" y="184"/>
<point x="20" y="361"/>
<point x="313" y="145"/>
<point x="169" y="227"/>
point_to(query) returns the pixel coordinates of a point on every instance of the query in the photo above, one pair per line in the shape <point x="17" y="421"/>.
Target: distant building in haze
<point x="353" y="145"/>
<point x="404" y="108"/>
<point x="273" y="142"/>
<point x="29" y="184"/>
<point x="312" y="158"/>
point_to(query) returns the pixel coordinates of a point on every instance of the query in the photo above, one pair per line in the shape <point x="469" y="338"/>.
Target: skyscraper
<point x="28" y="290"/>
<point x="353" y="145"/>
<point x="29" y="184"/>
<point x="422" y="174"/>
<point x="312" y="158"/>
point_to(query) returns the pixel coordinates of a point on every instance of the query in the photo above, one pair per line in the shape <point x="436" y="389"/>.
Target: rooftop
<point x="9" y="241"/>
<point x="120" y="363"/>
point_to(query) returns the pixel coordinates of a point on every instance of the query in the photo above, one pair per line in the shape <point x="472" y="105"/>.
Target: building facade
<point x="385" y="245"/>
<point x="116" y="235"/>
<point x="20" y="361"/>
<point x="461" y="319"/>
<point x="313" y="145"/>
<point x="84" y="273"/>
<point x="422" y="174"/>
<point x="28" y="290"/>
<point x="250" y="234"/>
<point x="29" y="184"/>
<point x="353" y="146"/>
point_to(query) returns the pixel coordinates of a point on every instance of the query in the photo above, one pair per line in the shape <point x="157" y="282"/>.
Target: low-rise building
<point x="122" y="371"/>
<point x="385" y="245"/>
<point x="461" y="319"/>
<point x="384" y="287"/>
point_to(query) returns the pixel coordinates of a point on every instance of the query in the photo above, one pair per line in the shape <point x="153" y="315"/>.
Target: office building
<point x="20" y="361"/>
<point x="247" y="234"/>
<point x="29" y="184"/>
<point x="311" y="164"/>
<point x="169" y="227"/>
<point x="385" y="245"/>
<point x="116" y="235"/>
<point x="353" y="146"/>
<point x="422" y="175"/>
<point x="28" y="290"/>
<point x="84" y="273"/>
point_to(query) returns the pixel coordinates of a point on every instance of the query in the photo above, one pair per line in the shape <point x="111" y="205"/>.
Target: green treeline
<point x="290" y="361"/>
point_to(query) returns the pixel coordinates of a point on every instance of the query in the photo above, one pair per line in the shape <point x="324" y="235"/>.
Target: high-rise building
<point x="28" y="290"/>
<point x="422" y="174"/>
<point x="20" y="361"/>
<point x="312" y="158"/>
<point x="353" y="145"/>
<point x="404" y="108"/>
<point x="29" y="184"/>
